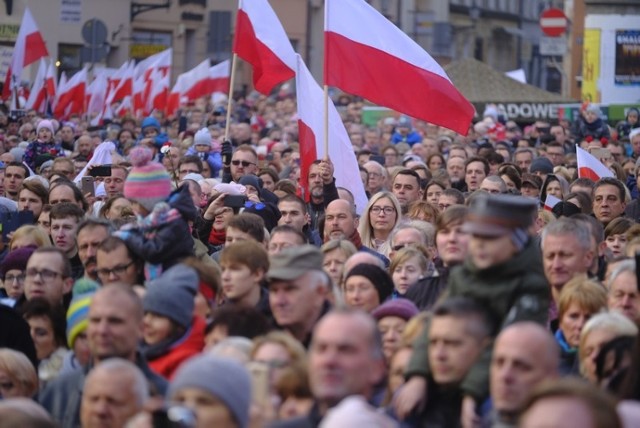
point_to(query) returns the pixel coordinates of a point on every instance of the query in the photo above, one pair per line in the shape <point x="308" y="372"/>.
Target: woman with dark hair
<point x="615" y="235"/>
<point x="582" y="200"/>
<point x="511" y="175"/>
<point x="116" y="207"/>
<point x="48" y="332"/>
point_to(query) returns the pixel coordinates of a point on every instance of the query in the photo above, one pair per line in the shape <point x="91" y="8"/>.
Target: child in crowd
<point x="503" y="273"/>
<point x="161" y="236"/>
<point x="44" y="147"/>
<point x="172" y="334"/>
<point x="77" y="321"/>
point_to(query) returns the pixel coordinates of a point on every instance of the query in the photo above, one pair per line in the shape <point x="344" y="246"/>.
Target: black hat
<point x="497" y="215"/>
<point x="378" y="277"/>
<point x="565" y="209"/>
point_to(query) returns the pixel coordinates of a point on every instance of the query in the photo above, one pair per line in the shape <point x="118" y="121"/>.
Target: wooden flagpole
<point x="230" y="97"/>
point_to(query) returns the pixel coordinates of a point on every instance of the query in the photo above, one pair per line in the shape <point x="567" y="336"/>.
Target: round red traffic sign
<point x="553" y="22"/>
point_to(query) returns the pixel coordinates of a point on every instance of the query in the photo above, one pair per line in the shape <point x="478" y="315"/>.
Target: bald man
<point x="524" y="355"/>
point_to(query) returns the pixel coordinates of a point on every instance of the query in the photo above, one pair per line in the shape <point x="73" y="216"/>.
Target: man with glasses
<point x="244" y="162"/>
<point x="48" y="275"/>
<point x="116" y="263"/>
<point x="555" y="153"/>
<point x="64" y="167"/>
<point x="377" y="177"/>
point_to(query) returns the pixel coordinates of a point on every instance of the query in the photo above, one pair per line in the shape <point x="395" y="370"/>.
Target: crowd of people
<point x="155" y="273"/>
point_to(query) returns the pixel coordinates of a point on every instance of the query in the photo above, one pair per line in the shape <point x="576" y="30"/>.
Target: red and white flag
<point x="310" y="97"/>
<point x="38" y="96"/>
<point x="159" y="91"/>
<point x="262" y="42"/>
<point x="550" y="202"/>
<point x="590" y="167"/>
<point x="366" y="55"/>
<point x="97" y="95"/>
<point x="161" y="61"/>
<point x="71" y="96"/>
<point x="29" y="48"/>
<point x="219" y="76"/>
<point x="50" y="82"/>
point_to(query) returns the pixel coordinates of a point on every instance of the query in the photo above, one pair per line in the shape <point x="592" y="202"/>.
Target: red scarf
<point x="217" y="238"/>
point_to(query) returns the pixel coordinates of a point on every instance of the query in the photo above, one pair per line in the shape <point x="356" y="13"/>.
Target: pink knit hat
<point x="148" y="182"/>
<point x="45" y="123"/>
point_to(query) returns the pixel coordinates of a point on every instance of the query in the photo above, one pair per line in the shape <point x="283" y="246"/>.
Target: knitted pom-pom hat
<point x="148" y="182"/>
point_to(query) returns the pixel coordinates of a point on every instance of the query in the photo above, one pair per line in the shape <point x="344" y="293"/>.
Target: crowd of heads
<point x="156" y="273"/>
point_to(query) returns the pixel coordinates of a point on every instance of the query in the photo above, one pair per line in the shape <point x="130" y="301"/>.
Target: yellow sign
<point x="591" y="65"/>
<point x="9" y="31"/>
<point x="144" y="51"/>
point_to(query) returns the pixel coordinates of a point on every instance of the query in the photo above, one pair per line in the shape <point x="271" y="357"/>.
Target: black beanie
<point x="378" y="277"/>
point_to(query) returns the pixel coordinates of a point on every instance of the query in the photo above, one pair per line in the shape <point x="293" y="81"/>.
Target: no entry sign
<point x="553" y="22"/>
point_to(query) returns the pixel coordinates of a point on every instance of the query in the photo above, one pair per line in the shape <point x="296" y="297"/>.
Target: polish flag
<point x="141" y="89"/>
<point x="50" y="82"/>
<point x="38" y="96"/>
<point x="125" y="107"/>
<point x="550" y="202"/>
<point x="29" y="48"/>
<point x="157" y="99"/>
<point x="590" y="167"/>
<point x="262" y="42"/>
<point x="161" y="61"/>
<point x="97" y="95"/>
<point x="366" y="55"/>
<point x="310" y="99"/>
<point x="71" y="97"/>
<point x="219" y="76"/>
<point x="124" y="88"/>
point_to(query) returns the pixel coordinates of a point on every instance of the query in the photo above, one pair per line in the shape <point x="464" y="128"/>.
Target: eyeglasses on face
<point x="386" y="210"/>
<point x="116" y="270"/>
<point x="45" y="274"/>
<point x="9" y="278"/>
<point x="245" y="164"/>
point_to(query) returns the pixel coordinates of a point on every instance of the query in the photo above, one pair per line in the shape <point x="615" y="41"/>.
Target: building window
<point x="146" y="43"/>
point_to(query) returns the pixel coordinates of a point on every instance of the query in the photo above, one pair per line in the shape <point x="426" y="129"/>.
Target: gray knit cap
<point x="171" y="295"/>
<point x="224" y="378"/>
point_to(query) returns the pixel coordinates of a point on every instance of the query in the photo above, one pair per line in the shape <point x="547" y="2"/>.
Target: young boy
<point x="503" y="273"/>
<point x="172" y="334"/>
<point x="244" y="265"/>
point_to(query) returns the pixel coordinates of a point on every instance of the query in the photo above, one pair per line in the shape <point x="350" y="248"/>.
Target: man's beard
<point x="317" y="192"/>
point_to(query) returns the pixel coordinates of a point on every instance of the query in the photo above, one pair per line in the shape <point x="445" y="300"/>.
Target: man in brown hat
<point x="297" y="290"/>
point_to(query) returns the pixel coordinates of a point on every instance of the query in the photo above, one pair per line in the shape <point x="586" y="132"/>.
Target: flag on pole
<point x="71" y="96"/>
<point x="590" y="167"/>
<point x="262" y="42"/>
<point x="366" y="55"/>
<point x="29" y="48"/>
<point x="310" y="97"/>
<point x="219" y="76"/>
<point x="550" y="202"/>
<point x="38" y="96"/>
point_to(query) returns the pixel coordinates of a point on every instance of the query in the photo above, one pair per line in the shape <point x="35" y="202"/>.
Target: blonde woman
<point x="18" y="377"/>
<point x="381" y="215"/>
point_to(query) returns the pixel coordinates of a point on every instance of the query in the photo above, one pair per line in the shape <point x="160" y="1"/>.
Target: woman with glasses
<point x="380" y="216"/>
<point x="12" y="272"/>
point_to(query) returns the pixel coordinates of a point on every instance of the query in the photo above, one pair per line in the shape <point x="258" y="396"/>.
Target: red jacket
<point x="191" y="344"/>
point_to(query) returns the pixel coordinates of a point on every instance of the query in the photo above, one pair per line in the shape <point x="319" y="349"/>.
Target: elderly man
<point x="297" y="290"/>
<point x="566" y="252"/>
<point x="345" y="359"/>
<point x="377" y="177"/>
<point x="524" y="355"/>
<point x="114" y="331"/>
<point x="114" y="392"/>
<point x="623" y="290"/>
